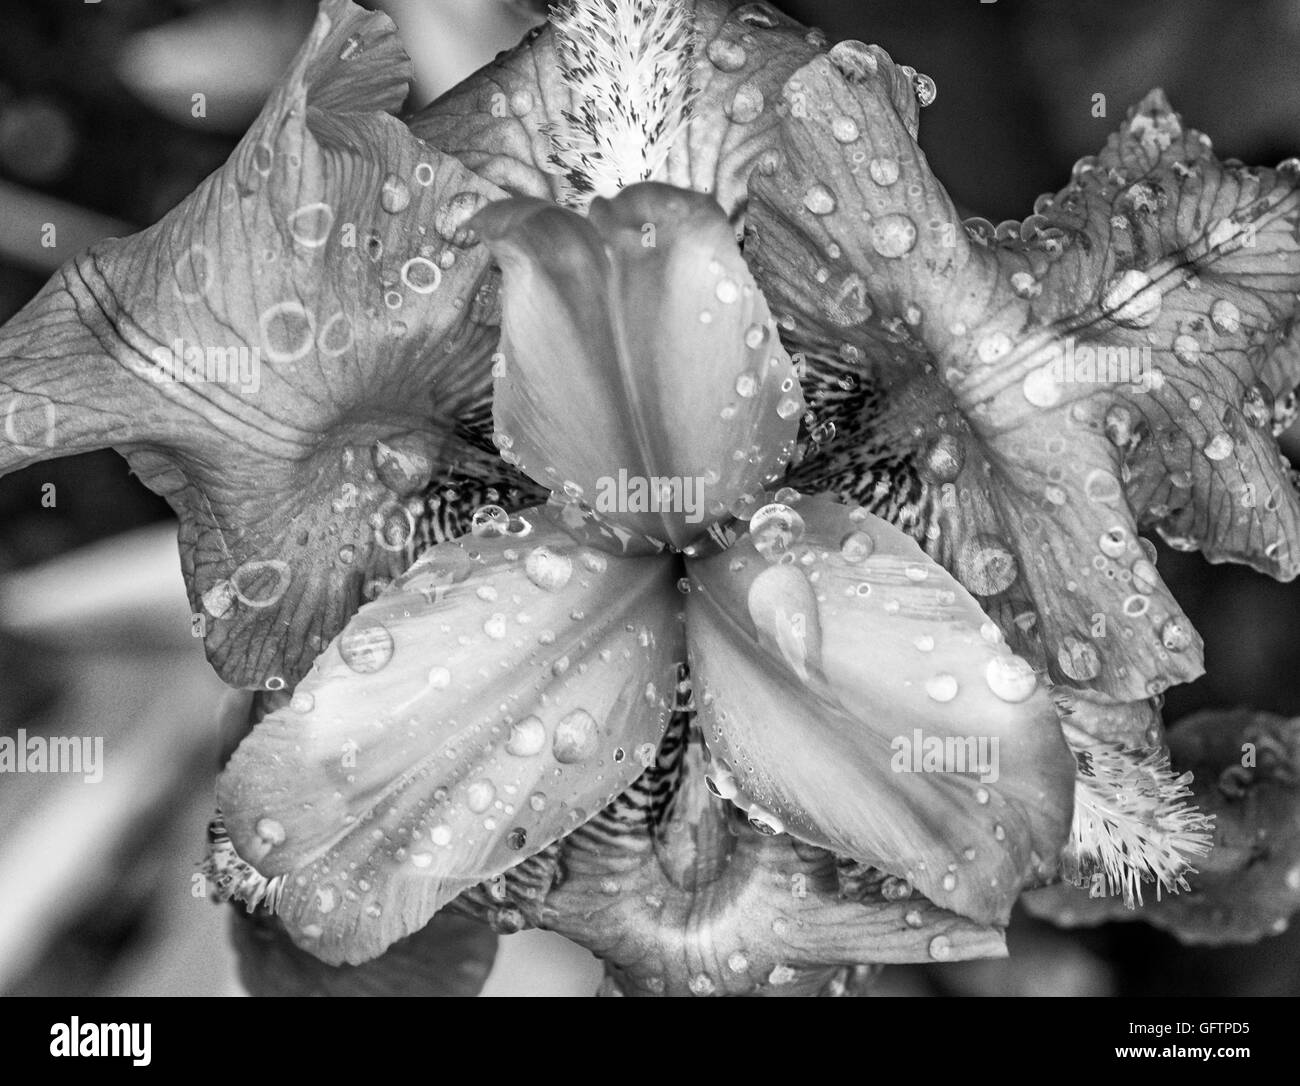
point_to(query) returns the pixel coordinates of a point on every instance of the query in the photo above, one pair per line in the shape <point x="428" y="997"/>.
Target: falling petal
<point x="433" y="719"/>
<point x="817" y="696"/>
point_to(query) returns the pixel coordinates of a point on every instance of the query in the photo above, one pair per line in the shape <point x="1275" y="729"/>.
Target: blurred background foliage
<point x="97" y="134"/>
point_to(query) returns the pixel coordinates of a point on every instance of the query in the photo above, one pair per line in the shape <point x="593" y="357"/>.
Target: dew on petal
<point x="576" y="737"/>
<point x="892" y="235"/>
<point x="547" y="569"/>
<point x="527" y="737"/>
<point x="366" y="649"/>
<point x="1011" y="678"/>
<point x="941" y="687"/>
<point x="819" y="200"/>
<point x="774" y="529"/>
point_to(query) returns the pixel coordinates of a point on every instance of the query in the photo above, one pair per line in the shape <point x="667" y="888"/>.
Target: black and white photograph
<point x="650" y="498"/>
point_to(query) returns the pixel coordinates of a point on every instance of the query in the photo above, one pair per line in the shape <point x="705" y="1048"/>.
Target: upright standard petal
<point x="640" y="371"/>
<point x="685" y="92"/>
<point x="497" y="696"/>
<point x="1040" y="394"/>
<point x="856" y="697"/>
<point x="284" y="357"/>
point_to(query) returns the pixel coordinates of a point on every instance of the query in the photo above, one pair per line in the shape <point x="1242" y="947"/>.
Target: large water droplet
<point x="395" y="195"/>
<point x="727" y="56"/>
<point x="576" y="737"/>
<point x="986" y="566"/>
<point x="479" y="795"/>
<point x="1011" y="678"/>
<point x="774" y="529"/>
<point x="856" y="547"/>
<point x="489" y="522"/>
<point x="1079" y="659"/>
<point x="942" y="687"/>
<point x="819" y="200"/>
<point x="527" y="737"/>
<point x="746" y="105"/>
<point x="1225" y="316"/>
<point x="892" y="235"/>
<point x="547" y="569"/>
<point x="1219" y="447"/>
<point x="366" y="648"/>
<point x="883" y="171"/>
<point x="765" y="822"/>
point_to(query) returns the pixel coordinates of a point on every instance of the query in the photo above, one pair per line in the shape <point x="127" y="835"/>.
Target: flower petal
<point x="824" y="679"/>
<point x="1037" y="398"/>
<point x="503" y="121"/>
<point x="1246" y="766"/>
<point x="285" y="356"/>
<point x="494" y="698"/>
<point x="641" y="329"/>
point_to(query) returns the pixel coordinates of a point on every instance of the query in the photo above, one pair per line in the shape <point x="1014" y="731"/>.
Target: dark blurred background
<point x="96" y="131"/>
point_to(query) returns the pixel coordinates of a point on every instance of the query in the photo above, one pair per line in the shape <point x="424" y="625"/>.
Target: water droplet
<point x="1119" y="426"/>
<point x="1132" y="299"/>
<point x="1079" y="658"/>
<point x="1187" y="349"/>
<point x="366" y="648"/>
<point x="949" y="882"/>
<point x="451" y="220"/>
<point x="727" y="56"/>
<point x="1257" y="405"/>
<point x="892" y="235"/>
<point x="774" y="529"/>
<point x="986" y="566"/>
<point x="940" y="948"/>
<point x="992" y="347"/>
<point x="527" y="737"/>
<point x="982" y="796"/>
<point x="845" y="129"/>
<point x="924" y="643"/>
<point x="701" y="985"/>
<point x="941" y="687"/>
<point x="737" y="962"/>
<point x="576" y="737"/>
<point x="728" y="291"/>
<point x="926" y="89"/>
<point x="547" y="569"/>
<point x="402" y="469"/>
<point x="489" y="522"/>
<point x="517" y="838"/>
<point x="1025" y="285"/>
<point x="1219" y="447"/>
<point x="1175" y="635"/>
<point x="883" y="171"/>
<point x="1011" y="678"/>
<point x="1225" y="317"/>
<point x="747" y="104"/>
<point x="302" y="702"/>
<point x="942" y="460"/>
<point x="854" y="59"/>
<point x="1041" y="387"/>
<point x="495" y="626"/>
<point x="479" y="795"/>
<point x="763" y="821"/>
<point x="395" y="195"/>
<point x="856" y="547"/>
<point x="819" y="200"/>
<point x="1114" y="542"/>
<point x="439" y="678"/>
<point x="746" y="385"/>
<point x="913" y="919"/>
<point x="440" y="835"/>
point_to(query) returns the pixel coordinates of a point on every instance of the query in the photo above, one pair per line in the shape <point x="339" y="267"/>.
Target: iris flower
<point x="663" y="529"/>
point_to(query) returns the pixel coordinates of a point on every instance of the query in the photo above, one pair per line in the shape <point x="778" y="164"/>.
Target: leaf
<point x="955" y="365"/>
